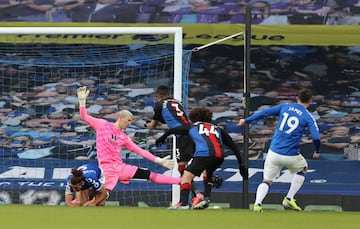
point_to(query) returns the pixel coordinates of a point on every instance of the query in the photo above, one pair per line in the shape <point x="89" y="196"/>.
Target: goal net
<point x="41" y="134"/>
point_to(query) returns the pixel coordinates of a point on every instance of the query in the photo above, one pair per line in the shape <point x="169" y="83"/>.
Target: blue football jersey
<point x="171" y="112"/>
<point x="93" y="177"/>
<point x="208" y="140"/>
<point x="294" y="118"/>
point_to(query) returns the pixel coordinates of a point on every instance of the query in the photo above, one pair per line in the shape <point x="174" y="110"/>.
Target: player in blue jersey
<point x="85" y="187"/>
<point x="171" y="112"/>
<point x="209" y="140"/>
<point x="284" y="150"/>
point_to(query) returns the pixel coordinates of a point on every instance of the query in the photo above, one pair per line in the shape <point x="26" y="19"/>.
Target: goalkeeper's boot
<point x="202" y="205"/>
<point x="291" y="204"/>
<point x="197" y="199"/>
<point x="179" y="206"/>
<point x="258" y="208"/>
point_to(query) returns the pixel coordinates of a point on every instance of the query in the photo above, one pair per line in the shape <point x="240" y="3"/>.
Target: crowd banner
<point x="313" y="35"/>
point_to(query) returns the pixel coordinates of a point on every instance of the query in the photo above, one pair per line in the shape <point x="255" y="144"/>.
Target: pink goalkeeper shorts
<point x="115" y="173"/>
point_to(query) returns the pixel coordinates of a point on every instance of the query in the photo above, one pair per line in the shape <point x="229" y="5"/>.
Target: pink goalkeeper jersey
<point x="109" y="142"/>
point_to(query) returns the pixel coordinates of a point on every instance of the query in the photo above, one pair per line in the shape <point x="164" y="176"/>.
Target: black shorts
<point x="185" y="148"/>
<point x="199" y="164"/>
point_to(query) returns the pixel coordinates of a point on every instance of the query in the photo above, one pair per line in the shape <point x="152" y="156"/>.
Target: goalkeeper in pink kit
<point x="110" y="138"/>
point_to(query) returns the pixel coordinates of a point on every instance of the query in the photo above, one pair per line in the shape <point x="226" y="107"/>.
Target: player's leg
<point x="113" y="175"/>
<point x="195" y="168"/>
<point x="155" y="177"/>
<point x="261" y="192"/>
<point x="197" y="196"/>
<point x="211" y="164"/>
<point x="184" y="152"/>
<point x="186" y="187"/>
<point x="207" y="185"/>
<point x="297" y="166"/>
<point x="97" y="194"/>
<point x="102" y="203"/>
<point x="272" y="167"/>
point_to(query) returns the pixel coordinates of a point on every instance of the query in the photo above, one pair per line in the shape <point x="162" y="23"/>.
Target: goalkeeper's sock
<point x="261" y="192"/>
<point x="296" y="183"/>
<point x="163" y="179"/>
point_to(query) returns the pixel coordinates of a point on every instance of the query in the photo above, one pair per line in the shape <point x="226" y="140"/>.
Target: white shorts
<point x="275" y="162"/>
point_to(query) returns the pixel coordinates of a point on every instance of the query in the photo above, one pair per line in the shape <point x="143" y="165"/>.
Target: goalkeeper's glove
<point x="165" y="162"/>
<point x="82" y="93"/>
<point x="244" y="172"/>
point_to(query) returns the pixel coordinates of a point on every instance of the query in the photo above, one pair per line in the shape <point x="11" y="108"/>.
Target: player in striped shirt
<point x="284" y="150"/>
<point x="171" y="112"/>
<point x="208" y="156"/>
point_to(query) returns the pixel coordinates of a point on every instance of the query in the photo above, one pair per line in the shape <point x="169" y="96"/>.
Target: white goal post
<point x="177" y="33"/>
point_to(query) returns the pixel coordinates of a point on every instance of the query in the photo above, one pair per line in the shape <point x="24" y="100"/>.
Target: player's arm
<point x="83" y="93"/>
<point x="315" y="134"/>
<point x="69" y="196"/>
<point x="182" y="130"/>
<point x="272" y="111"/>
<point x="156" y="117"/>
<point x="152" y="124"/>
<point x="165" y="161"/>
<point x="99" y="198"/>
<point x="227" y="140"/>
<point x="70" y="201"/>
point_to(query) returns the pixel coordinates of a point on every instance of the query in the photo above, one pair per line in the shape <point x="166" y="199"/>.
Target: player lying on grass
<point x="110" y="138"/>
<point x="208" y="156"/>
<point x="85" y="187"/>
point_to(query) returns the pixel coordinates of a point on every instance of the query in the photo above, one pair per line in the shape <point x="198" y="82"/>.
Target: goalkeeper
<point x="110" y="138"/>
<point x="208" y="155"/>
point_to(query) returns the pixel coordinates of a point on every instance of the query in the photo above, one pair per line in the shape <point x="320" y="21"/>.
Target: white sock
<point x="296" y="183"/>
<point x="261" y="192"/>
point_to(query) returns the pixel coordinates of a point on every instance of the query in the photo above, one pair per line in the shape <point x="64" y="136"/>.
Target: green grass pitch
<point x="110" y="217"/>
